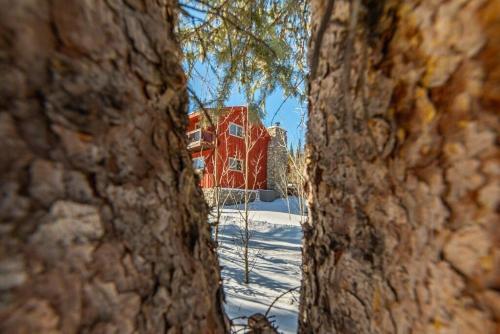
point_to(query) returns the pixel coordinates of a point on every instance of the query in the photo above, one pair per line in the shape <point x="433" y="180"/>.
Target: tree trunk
<point x="103" y="229"/>
<point x="403" y="168"/>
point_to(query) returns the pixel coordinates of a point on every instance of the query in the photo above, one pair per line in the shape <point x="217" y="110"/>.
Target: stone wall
<point x="277" y="159"/>
<point x="234" y="196"/>
<point x="228" y="196"/>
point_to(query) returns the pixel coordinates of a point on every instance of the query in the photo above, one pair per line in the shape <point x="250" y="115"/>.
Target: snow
<point x="275" y="247"/>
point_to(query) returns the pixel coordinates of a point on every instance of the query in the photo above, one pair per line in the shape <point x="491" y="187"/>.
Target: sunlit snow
<point x="275" y="247"/>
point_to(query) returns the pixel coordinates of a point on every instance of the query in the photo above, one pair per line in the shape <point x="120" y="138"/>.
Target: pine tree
<point x="403" y="134"/>
<point x="103" y="227"/>
<point x="255" y="46"/>
<point x="300" y="150"/>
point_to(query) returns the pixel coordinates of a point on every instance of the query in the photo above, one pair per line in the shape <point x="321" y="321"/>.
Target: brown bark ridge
<point x="103" y="229"/>
<point x="260" y="324"/>
<point x="403" y="168"/>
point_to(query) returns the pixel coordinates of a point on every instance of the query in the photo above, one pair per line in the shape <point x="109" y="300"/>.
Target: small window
<point x="235" y="130"/>
<point x="235" y="164"/>
<point x="198" y="163"/>
<point x="194" y="136"/>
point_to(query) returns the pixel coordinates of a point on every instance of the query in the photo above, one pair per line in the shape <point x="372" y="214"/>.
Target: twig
<point x="284" y="100"/>
<point x="216" y="11"/>
<point x="200" y="104"/>
<point x="276" y="299"/>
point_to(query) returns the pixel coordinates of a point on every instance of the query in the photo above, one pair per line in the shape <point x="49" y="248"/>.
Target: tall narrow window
<point x="235" y="164"/>
<point x="235" y="130"/>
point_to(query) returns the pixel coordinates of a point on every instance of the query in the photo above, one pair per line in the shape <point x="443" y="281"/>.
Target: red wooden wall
<point x="231" y="146"/>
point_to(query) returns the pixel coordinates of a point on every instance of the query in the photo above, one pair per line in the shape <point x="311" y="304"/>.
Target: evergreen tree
<point x="299" y="150"/>
<point x="103" y="227"/>
<point x="403" y="235"/>
<point x="257" y="45"/>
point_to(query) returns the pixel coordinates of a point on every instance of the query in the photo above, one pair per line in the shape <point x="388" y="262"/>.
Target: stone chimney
<point x="277" y="159"/>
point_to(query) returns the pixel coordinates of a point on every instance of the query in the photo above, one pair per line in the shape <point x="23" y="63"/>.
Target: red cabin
<point x="224" y="154"/>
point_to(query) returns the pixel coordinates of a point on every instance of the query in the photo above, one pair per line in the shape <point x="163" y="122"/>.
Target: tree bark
<point x="403" y="168"/>
<point x="103" y="229"/>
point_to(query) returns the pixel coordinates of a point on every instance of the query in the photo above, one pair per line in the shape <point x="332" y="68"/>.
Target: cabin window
<point x="199" y="163"/>
<point x="194" y="136"/>
<point x="235" y="164"/>
<point x="235" y="130"/>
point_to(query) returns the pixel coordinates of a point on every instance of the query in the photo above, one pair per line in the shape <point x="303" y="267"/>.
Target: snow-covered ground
<point x="275" y="247"/>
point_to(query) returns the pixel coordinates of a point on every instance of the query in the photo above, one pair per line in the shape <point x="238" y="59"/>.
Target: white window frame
<point x="235" y="135"/>
<point x="193" y="131"/>
<point x="233" y="169"/>
<point x="199" y="158"/>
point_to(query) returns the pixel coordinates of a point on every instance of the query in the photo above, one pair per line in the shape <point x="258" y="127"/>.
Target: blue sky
<point x="289" y="116"/>
<point x="292" y="114"/>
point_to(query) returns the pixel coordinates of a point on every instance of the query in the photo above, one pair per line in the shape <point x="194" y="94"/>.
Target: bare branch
<point x="276" y="299"/>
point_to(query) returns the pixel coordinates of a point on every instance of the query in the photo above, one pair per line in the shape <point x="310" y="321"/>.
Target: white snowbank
<point x="276" y="246"/>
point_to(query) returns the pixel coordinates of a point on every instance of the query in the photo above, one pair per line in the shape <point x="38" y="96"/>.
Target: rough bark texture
<point x="259" y="324"/>
<point x="102" y="227"/>
<point x="403" y="168"/>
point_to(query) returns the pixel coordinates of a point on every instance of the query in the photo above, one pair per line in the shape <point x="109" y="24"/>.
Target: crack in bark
<point x="319" y="38"/>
